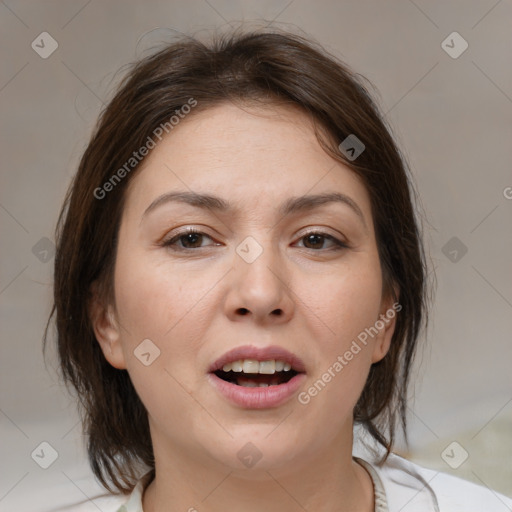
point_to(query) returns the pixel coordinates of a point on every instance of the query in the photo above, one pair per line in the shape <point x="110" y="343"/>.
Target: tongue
<point x="259" y="378"/>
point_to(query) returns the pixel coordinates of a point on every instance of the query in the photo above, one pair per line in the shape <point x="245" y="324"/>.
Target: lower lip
<point x="258" y="398"/>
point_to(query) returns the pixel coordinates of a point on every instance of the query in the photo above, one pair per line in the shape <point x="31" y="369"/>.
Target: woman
<point x="239" y="281"/>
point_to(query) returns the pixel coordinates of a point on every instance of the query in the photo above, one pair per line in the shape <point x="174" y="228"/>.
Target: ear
<point x="386" y="326"/>
<point x="106" y="329"/>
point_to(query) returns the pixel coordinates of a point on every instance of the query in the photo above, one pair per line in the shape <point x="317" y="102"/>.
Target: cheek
<point x="345" y="302"/>
<point x="158" y="302"/>
<point x="154" y="297"/>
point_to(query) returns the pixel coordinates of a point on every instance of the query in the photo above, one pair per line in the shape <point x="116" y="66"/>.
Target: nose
<point x="260" y="290"/>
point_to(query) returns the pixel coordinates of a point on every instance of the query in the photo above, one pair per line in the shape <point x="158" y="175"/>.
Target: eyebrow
<point x="290" y="206"/>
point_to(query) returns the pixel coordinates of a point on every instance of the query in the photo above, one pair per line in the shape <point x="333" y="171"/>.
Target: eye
<point x="316" y="239"/>
<point x="190" y="238"/>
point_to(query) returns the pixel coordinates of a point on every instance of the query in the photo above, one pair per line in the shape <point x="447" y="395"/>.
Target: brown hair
<point x="269" y="66"/>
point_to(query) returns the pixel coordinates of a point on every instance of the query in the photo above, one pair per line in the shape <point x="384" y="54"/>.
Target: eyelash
<point x="170" y="243"/>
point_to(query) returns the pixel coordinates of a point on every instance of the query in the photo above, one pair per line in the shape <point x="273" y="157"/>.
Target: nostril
<point x="243" y="311"/>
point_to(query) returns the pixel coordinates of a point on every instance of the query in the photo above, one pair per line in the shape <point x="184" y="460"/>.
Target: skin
<point x="189" y="304"/>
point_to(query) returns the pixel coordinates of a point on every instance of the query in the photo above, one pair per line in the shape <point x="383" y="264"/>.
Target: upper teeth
<point x="254" y="366"/>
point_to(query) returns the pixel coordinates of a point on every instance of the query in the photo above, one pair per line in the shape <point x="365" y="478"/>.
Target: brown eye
<point x="189" y="239"/>
<point x="316" y="240"/>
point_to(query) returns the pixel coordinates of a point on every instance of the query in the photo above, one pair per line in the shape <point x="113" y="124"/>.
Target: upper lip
<point x="260" y="354"/>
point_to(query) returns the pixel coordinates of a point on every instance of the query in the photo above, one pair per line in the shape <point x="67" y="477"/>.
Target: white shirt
<point x="399" y="486"/>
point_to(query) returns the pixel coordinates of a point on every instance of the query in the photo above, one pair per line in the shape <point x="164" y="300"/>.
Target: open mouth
<point x="279" y="372"/>
<point x="254" y="380"/>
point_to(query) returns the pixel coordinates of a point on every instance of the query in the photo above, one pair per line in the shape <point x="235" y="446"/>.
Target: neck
<point x="330" y="481"/>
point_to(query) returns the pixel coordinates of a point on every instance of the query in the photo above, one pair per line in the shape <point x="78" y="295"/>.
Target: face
<point x="305" y="279"/>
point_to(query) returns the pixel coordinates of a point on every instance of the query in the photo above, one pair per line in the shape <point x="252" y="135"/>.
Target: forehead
<point x="252" y="156"/>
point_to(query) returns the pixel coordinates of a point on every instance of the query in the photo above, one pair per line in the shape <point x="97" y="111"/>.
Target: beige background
<point x="452" y="117"/>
